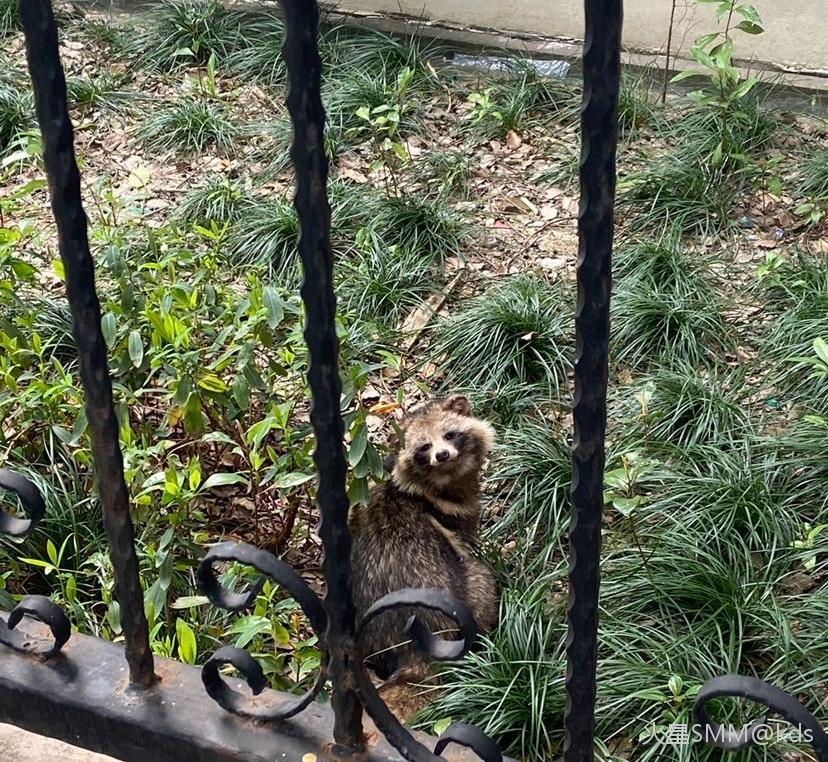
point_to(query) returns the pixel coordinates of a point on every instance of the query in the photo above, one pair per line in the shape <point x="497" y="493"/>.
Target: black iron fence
<point x="153" y="713"/>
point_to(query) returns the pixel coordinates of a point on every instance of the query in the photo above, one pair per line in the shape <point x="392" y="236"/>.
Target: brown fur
<point x="420" y="530"/>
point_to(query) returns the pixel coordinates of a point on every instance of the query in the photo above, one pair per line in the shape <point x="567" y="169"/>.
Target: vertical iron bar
<point x="599" y="137"/>
<point x="49" y="85"/>
<point x="304" y="102"/>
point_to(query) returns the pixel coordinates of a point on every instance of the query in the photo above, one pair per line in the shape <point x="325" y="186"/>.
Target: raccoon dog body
<point x="420" y="530"/>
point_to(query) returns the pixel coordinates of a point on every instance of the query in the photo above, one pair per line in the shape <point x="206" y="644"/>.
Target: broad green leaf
<point x="821" y="349"/>
<point x="241" y="392"/>
<point x="358" y="445"/>
<point x="190" y="601"/>
<point x="113" y="617"/>
<point x="292" y="479"/>
<point x="109" y="328"/>
<point x="675" y="684"/>
<point x="247" y="628"/>
<point x="71" y="588"/>
<point x="186" y="641"/>
<point x="749" y="27"/>
<point x="744" y="88"/>
<point x="686" y="74"/>
<point x="212" y="383"/>
<point x="136" y="348"/>
<point x="51" y="552"/>
<point x="707" y="39"/>
<point x="223" y="480"/>
<point x="626" y="505"/>
<point x="281" y="635"/>
<point x="274" y="305"/>
<point x="218" y="436"/>
<point x="193" y="418"/>
<point x="749" y="13"/>
<point x="194" y="475"/>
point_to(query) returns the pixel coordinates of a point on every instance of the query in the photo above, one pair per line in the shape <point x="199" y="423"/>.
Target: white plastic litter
<point x="545" y="67"/>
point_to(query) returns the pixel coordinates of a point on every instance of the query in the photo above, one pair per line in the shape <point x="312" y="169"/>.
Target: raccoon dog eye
<point x="424" y="448"/>
<point x="449" y="435"/>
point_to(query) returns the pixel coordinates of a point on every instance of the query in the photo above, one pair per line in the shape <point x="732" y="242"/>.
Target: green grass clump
<point x="219" y="200"/>
<point x="10" y="21"/>
<point x="188" y="126"/>
<point x="533" y="466"/>
<point x="266" y="234"/>
<point x="383" y="283"/>
<point x="665" y="260"/>
<point x="101" y="92"/>
<point x="277" y="134"/>
<point x="684" y="407"/>
<point x="711" y="164"/>
<point x="517" y="332"/>
<point x="174" y="34"/>
<point x="105" y="34"/>
<point x="381" y="56"/>
<point x="666" y="305"/>
<point x="814" y="182"/>
<point x="360" y="89"/>
<point x="797" y="298"/>
<point x="266" y="230"/>
<point x="801" y="465"/>
<point x="446" y="173"/>
<point x="636" y="103"/>
<point x="257" y="56"/>
<point x="512" y="687"/>
<point x="720" y="494"/>
<point x="429" y="227"/>
<point x="16" y="112"/>
<point x="521" y="100"/>
<point x="51" y="320"/>
<point x="681" y="188"/>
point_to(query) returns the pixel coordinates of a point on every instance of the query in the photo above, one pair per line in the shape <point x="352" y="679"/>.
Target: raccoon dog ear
<point x="458" y="403"/>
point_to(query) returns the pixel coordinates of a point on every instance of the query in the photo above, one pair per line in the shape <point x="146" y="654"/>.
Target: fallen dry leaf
<point x="383" y="408"/>
<point x="513" y="140"/>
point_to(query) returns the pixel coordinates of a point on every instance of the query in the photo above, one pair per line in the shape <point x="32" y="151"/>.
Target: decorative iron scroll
<point x="753" y="689"/>
<point x="270" y="567"/>
<point x="35" y="606"/>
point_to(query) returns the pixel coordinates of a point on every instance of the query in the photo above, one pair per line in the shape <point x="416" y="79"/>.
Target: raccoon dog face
<point x="443" y="443"/>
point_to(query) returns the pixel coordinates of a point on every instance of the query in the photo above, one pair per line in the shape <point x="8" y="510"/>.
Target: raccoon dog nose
<point x="442" y="455"/>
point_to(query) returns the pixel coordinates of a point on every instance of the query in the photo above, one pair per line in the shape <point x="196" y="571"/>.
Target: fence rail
<point x="156" y="710"/>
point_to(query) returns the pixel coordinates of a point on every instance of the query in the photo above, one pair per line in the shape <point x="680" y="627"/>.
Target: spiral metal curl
<point x="276" y="707"/>
<point x="35" y="606"/>
<point x="754" y="689"/>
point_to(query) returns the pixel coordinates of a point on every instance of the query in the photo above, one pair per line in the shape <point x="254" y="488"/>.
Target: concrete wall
<point x="796" y="36"/>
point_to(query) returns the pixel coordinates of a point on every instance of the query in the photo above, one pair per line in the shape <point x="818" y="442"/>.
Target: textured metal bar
<point x="49" y="87"/>
<point x="304" y="102"/>
<point x="599" y="135"/>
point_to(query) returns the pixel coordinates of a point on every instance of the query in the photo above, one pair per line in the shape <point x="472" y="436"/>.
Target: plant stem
<point x="641" y="553"/>
<point x="669" y="48"/>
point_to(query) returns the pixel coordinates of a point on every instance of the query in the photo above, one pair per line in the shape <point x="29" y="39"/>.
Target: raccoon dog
<point x="420" y="529"/>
